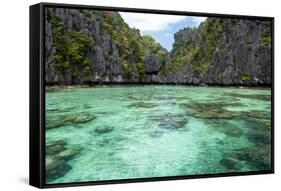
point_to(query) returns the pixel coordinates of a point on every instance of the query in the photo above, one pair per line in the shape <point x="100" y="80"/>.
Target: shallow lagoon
<point x="152" y="131"/>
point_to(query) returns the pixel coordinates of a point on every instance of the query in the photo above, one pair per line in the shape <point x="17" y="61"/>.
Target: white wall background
<point x="14" y="71"/>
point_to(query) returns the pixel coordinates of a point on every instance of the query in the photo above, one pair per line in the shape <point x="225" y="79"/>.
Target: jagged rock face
<point x="241" y="56"/>
<point x="218" y="52"/>
<point x="183" y="37"/>
<point x="99" y="56"/>
<point x="51" y="74"/>
<point x="105" y="58"/>
<point x="152" y="65"/>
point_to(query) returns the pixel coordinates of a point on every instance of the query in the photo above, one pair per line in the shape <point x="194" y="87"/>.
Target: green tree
<point x="71" y="48"/>
<point x="141" y="70"/>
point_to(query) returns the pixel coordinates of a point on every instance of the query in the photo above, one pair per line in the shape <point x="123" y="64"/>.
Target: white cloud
<point x="198" y="20"/>
<point x="150" y="22"/>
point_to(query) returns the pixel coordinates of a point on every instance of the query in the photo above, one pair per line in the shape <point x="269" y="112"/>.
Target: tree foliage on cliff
<point x="200" y="51"/>
<point x="128" y="41"/>
<point x="116" y="49"/>
<point x="153" y="47"/>
<point x="131" y="44"/>
<point x="70" y="49"/>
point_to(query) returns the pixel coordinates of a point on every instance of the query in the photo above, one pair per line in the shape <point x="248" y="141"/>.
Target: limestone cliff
<point x="222" y="52"/>
<point x="86" y="46"/>
<point x="90" y="47"/>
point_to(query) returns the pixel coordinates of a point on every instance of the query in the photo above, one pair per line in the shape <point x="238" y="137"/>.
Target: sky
<point x="160" y="27"/>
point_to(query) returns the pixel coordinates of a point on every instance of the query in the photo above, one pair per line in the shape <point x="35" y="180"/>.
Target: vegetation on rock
<point x="71" y="48"/>
<point x="266" y="39"/>
<point x="96" y="46"/>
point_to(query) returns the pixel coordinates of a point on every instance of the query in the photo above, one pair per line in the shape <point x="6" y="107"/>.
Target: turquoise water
<point x="113" y="133"/>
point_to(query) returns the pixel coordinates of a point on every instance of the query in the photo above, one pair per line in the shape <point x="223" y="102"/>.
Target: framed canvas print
<point x="125" y="95"/>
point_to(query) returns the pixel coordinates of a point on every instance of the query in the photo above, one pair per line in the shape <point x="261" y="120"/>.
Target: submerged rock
<point x="134" y="97"/>
<point x="171" y="121"/>
<point x="60" y="110"/>
<point x="164" y="97"/>
<point x="142" y="105"/>
<point x="54" y="124"/>
<point x="263" y="118"/>
<point x="56" y="169"/>
<point x="259" y="138"/>
<point x="234" y="132"/>
<point x="156" y="134"/>
<point x="261" y="97"/>
<point x="62" y="120"/>
<point x="228" y="127"/>
<point x="83" y="119"/>
<point x="220" y="142"/>
<point x="68" y="154"/>
<point x="257" y="132"/>
<point x="259" y="135"/>
<point x="104" y="129"/>
<point x="230" y="163"/>
<point x="211" y="110"/>
<point x="258" y="156"/>
<point x="104" y="142"/>
<point x="55" y="147"/>
<point x="86" y="106"/>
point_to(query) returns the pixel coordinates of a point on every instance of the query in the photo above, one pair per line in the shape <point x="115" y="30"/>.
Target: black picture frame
<point x="37" y="95"/>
